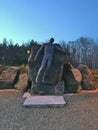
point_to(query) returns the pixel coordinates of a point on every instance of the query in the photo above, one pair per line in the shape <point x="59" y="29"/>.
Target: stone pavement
<point x="80" y="113"/>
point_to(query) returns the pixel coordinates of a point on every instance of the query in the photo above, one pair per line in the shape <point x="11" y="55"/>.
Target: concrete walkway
<point x="80" y="113"/>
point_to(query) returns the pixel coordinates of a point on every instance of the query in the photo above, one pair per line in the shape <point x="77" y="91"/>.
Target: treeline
<point x="83" y="50"/>
<point x="14" y="54"/>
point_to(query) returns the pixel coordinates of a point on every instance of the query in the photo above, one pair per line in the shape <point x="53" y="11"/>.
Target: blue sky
<point x="24" y="20"/>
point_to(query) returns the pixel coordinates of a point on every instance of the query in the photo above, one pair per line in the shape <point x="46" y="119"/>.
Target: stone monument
<point x="50" y="59"/>
<point x="45" y="66"/>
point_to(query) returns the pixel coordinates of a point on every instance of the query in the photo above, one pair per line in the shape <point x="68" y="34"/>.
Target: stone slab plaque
<point x="44" y="101"/>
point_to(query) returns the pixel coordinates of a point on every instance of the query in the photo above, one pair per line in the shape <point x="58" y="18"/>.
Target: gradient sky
<point x="24" y="20"/>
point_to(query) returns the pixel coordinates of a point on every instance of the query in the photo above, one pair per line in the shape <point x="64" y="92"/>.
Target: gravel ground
<point x="80" y="113"/>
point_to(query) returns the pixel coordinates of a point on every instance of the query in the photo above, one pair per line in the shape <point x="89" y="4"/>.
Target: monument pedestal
<point x="48" y="89"/>
<point x="44" y="101"/>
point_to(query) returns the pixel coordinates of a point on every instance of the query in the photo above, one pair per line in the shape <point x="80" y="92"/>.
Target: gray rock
<point x="72" y="78"/>
<point x="22" y="82"/>
<point x="95" y="82"/>
<point x="54" y="75"/>
<point x="9" y="77"/>
<point x="87" y="77"/>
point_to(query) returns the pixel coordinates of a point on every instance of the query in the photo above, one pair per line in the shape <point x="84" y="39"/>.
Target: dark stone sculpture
<point x="54" y="75"/>
<point x="43" y="71"/>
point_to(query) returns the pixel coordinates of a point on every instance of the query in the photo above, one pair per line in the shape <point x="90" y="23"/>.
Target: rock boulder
<point x="72" y="79"/>
<point x="54" y="75"/>
<point x="9" y="77"/>
<point x="87" y="77"/>
<point x="22" y="82"/>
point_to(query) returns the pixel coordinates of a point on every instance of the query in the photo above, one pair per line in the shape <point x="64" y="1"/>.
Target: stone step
<point x="44" y="101"/>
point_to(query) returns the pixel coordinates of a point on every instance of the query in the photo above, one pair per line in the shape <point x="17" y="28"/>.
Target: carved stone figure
<point x="46" y="66"/>
<point x="48" y="50"/>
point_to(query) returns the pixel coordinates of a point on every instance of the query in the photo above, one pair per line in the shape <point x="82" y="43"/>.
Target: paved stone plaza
<point x="80" y="113"/>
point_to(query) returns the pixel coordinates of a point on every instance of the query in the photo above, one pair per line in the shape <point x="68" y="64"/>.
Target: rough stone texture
<point x="9" y="77"/>
<point x="32" y="68"/>
<point x="60" y="88"/>
<point x="54" y="75"/>
<point x="72" y="79"/>
<point x="2" y="68"/>
<point x="96" y="78"/>
<point x="95" y="82"/>
<point x="22" y="82"/>
<point x="87" y="77"/>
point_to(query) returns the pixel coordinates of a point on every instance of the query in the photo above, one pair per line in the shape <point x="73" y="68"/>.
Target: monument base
<point x="48" y="89"/>
<point x="43" y="89"/>
<point x="44" y="101"/>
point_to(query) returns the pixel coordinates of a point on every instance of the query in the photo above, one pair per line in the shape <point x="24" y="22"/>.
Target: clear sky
<point x="24" y="20"/>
